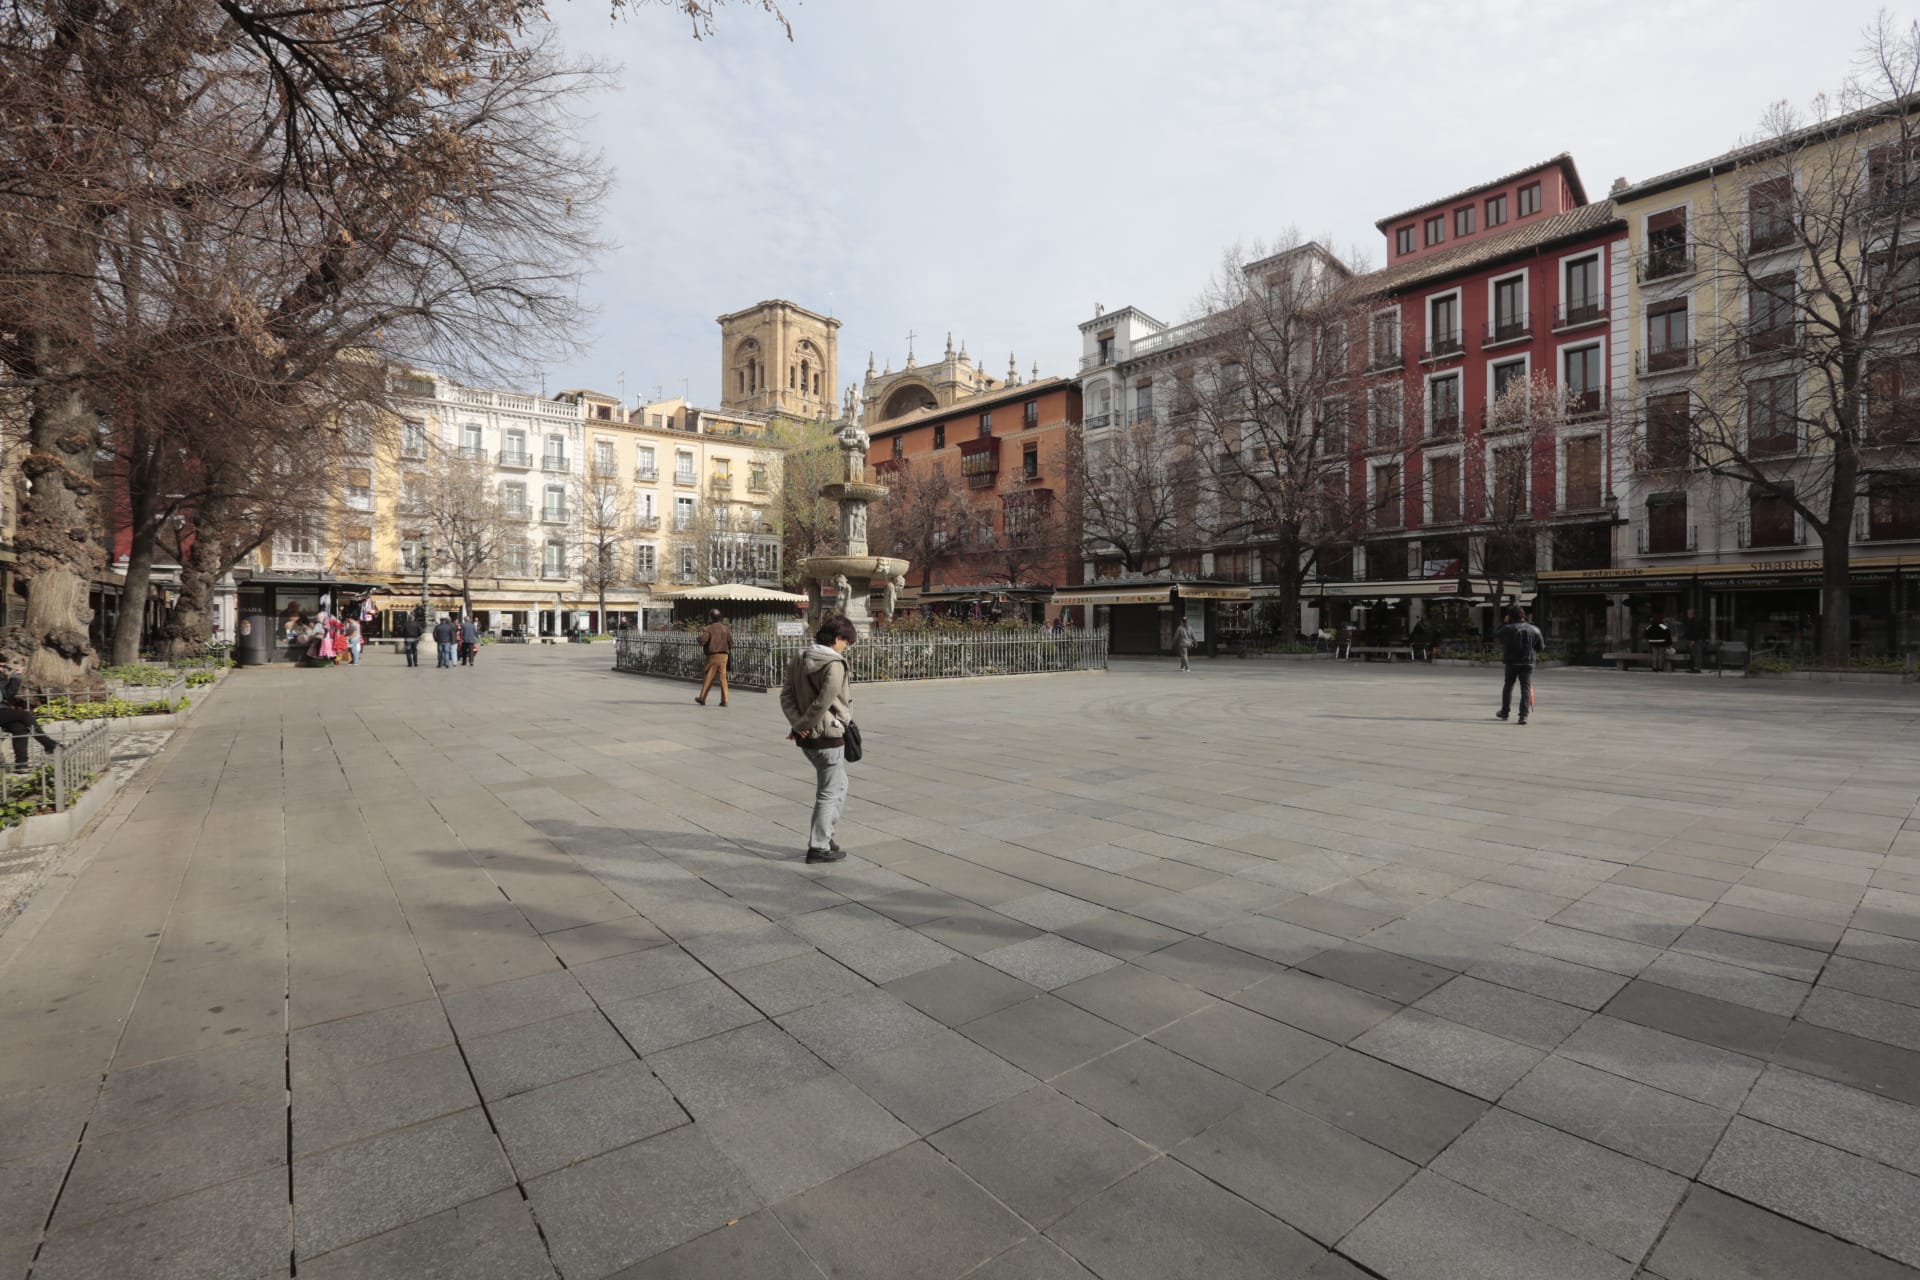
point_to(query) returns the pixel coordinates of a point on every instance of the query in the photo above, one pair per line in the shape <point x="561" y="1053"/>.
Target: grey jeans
<point x="830" y="794"/>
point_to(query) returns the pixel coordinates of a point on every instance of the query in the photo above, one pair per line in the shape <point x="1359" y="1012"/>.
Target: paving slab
<point x="1436" y="1229"/>
<point x="1326" y="1008"/>
<point x="1650" y="1124"/>
<point x="493" y="1238"/>
<point x="1153" y="1093"/>
<point x="1850" y="1196"/>
<point x="1046" y="1036"/>
<point x="238" y="1229"/>
<point x="578" y="1118"/>
<point x="1242" y="1045"/>
<point x="1864" y="1123"/>
<point x="1395" y="1109"/>
<point x="1716" y="1237"/>
<point x="1701" y="1072"/>
<point x="1461" y="1056"/>
<point x="1041" y="1153"/>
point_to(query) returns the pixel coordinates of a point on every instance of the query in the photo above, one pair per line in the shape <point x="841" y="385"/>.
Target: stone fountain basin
<point x="872" y="568"/>
<point x="855" y="490"/>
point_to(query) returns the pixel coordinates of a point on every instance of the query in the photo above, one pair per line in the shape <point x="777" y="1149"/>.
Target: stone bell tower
<point x="778" y="357"/>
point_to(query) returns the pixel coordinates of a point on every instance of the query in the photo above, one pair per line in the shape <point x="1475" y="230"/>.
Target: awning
<point x="1424" y="588"/>
<point x="1131" y="593"/>
<point x="734" y="591"/>
<point x="1216" y="593"/>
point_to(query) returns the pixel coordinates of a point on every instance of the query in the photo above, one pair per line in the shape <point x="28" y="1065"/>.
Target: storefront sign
<point x="789" y="628"/>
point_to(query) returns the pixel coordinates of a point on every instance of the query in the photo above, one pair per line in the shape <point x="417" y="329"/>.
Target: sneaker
<point x="826" y="855"/>
<point x="1499" y="715"/>
<point x="1522" y="721"/>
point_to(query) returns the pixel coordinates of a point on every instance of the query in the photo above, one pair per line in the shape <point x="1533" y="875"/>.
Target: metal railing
<point x="1666" y="263"/>
<point x="554" y="462"/>
<point x="1580" y="311"/>
<point x="516" y="458"/>
<point x="1668" y="358"/>
<point x="1097" y="359"/>
<point x="1380" y="361"/>
<point x="63" y="773"/>
<point x="1449" y="343"/>
<point x="1509" y="328"/>
<point x="760" y="662"/>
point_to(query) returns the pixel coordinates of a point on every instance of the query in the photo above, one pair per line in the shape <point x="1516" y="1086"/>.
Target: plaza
<point x="1278" y="969"/>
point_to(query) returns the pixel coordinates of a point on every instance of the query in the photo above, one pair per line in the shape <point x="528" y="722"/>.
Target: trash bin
<point x="254" y="641"/>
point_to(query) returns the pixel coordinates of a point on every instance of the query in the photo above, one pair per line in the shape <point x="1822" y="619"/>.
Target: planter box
<point x="58" y="828"/>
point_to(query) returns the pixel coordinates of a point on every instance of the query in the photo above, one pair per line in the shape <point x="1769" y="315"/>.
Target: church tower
<point x="777" y="357"/>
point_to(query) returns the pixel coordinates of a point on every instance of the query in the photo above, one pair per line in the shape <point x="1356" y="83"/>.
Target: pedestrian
<point x="1659" y="638"/>
<point x="716" y="641"/>
<point x="10" y="681"/>
<point x="1694" y="631"/>
<point x="350" y="632"/>
<point x="1521" y="643"/>
<point x="1422" y="641"/>
<point x="469" y="640"/>
<point x="444" y="633"/>
<point x="409" y="630"/>
<point x="1183" y="642"/>
<point x="15" y="719"/>
<point x="817" y="699"/>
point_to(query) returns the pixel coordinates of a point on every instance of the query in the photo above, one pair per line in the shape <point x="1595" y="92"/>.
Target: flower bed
<point x="114" y="708"/>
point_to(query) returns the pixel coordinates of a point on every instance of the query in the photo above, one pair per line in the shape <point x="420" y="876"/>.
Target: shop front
<point x="1772" y="607"/>
<point x="1141" y="615"/>
<point x="1385" y="613"/>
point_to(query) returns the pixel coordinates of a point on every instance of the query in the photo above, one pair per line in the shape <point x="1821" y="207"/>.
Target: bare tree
<point x="599" y="516"/>
<point x="1808" y="384"/>
<point x="808" y="455"/>
<point x="1264" y="397"/>
<point x="1031" y="538"/>
<point x="1497" y="478"/>
<point x="466" y="529"/>
<point x="925" y="518"/>
<point x="1129" y="486"/>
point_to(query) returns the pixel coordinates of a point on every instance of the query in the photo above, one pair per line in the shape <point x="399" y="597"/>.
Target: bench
<point x="1359" y="652"/>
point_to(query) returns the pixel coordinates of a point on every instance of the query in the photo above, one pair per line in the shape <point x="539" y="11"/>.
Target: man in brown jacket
<point x="716" y="641"/>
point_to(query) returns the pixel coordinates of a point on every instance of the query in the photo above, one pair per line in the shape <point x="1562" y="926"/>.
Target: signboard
<point x="789" y="628"/>
<point x="1216" y="593"/>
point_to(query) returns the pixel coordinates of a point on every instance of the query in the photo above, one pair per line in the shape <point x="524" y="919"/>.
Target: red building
<point x="1506" y="282"/>
<point x="987" y="477"/>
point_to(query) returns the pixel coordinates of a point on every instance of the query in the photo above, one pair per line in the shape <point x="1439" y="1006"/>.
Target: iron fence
<point x="760" y="662"/>
<point x="61" y="774"/>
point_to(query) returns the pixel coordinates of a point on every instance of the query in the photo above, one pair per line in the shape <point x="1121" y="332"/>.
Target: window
<point x="1770" y="521"/>
<point x="1771" y="304"/>
<point x="553" y="559"/>
<point x="1893" y="173"/>
<point x="413" y="494"/>
<point x="412" y="552"/>
<point x="645" y="562"/>
<point x="603" y="457"/>
<point x="1436" y="230"/>
<point x="644" y="508"/>
<point x="1463" y="222"/>
<point x="513" y="557"/>
<point x="986" y="425"/>
<point x="1505" y="375"/>
<point x="1893" y="506"/>
<point x="1583" y="473"/>
<point x="1104" y="346"/>
<point x="1332" y="422"/>
<point x="939" y="435"/>
<point x="556" y="455"/>
<point x="1143" y="401"/>
<point x="1580" y="376"/>
<point x="1770" y="214"/>
<point x="471" y="441"/>
<point x="1899" y="296"/>
<point x="1584" y="300"/>
<point x="1508" y="496"/>
<point x="1496" y="211"/>
<point x="1032" y="414"/>
<point x="1893" y="400"/>
<point x="1443" y="406"/>
<point x="683" y="472"/>
<point x="757" y="477"/>
<point x="513" y="498"/>
<point x="1669" y="430"/>
<point x="360" y="489"/>
<point x="1667" y="346"/>
<point x="1383" y="417"/>
<point x="1387" y="497"/>
<point x="1667" y="523"/>
<point x="1510" y="308"/>
<point x="1443" y="483"/>
<point x="1443" y="325"/>
<point x="356" y="548"/>
<point x="644" y="467"/>
<point x="899" y="446"/>
<point x="1403" y="240"/>
<point x="1666" y="245"/>
<point x="1030" y="462"/>
<point x="1530" y="199"/>
<point x="1385" y="342"/>
<point x="682" y="514"/>
<point x="555" y="510"/>
<point x="513" y="450"/>
<point x="413" y="439"/>
<point x="689" y="563"/>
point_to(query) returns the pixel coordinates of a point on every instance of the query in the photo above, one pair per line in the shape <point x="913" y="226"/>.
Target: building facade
<point x="777" y="357"/>
<point x="887" y="394"/>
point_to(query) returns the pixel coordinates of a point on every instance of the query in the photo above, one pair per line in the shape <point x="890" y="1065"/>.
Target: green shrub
<point x="200" y="679"/>
<point x="139" y="673"/>
<point x="110" y="709"/>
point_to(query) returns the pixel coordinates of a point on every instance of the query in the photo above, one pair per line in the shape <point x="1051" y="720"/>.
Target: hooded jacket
<point x="1520" y="642"/>
<point x="817" y="697"/>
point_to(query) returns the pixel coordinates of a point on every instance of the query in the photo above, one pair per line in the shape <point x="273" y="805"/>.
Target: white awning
<point x="734" y="591"/>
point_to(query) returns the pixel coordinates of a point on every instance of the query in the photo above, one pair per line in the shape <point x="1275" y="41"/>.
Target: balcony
<point x="687" y="478"/>
<point x="553" y="515"/>
<point x="552" y="572"/>
<point x="1098" y="360"/>
<point x="1590" y="403"/>
<point x="1761" y="343"/>
<point x="1142" y="418"/>
<point x="1444" y="428"/>
<point x="1579" y="311"/>
<point x="646" y="475"/>
<point x="757" y="482"/>
<point x="1503" y="329"/>
<point x="1669" y="262"/>
<point x="1771" y="238"/>
<point x="1672" y="542"/>
<point x="1751" y="539"/>
<point x="980" y="461"/>
<point x="554" y="462"/>
<point x="516" y="459"/>
<point x="473" y="452"/>
<point x="516" y="510"/>
<point x="1446" y="344"/>
<point x="1386" y="361"/>
<point x="1385" y="434"/>
<point x="722" y="483"/>
<point x="605" y="470"/>
<point x="646" y="524"/>
<point x="1672" y="358"/>
<point x="1096" y="421"/>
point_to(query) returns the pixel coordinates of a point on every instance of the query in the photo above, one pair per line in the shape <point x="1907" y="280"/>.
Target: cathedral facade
<point x="887" y="394"/>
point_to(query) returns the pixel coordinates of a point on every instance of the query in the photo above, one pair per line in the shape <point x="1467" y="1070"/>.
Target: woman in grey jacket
<point x="817" y="698"/>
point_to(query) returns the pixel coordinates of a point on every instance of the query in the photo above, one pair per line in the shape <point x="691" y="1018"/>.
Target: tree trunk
<point x="56" y="537"/>
<point x="189" y="622"/>
<point x="1836" y="585"/>
<point x="144" y="537"/>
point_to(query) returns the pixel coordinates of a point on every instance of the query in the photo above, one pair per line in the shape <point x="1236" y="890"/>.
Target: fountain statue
<point x="853" y="570"/>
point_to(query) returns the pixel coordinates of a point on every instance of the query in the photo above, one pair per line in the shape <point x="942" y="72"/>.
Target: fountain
<point x="854" y="570"/>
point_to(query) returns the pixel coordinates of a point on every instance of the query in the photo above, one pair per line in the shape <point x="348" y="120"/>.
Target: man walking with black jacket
<point x="19" y="722"/>
<point x="1520" y="643"/>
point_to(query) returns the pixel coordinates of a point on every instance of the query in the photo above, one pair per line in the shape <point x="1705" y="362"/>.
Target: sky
<point x="995" y="168"/>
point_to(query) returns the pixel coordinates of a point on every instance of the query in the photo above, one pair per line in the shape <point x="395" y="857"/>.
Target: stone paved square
<point x="1281" y="969"/>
